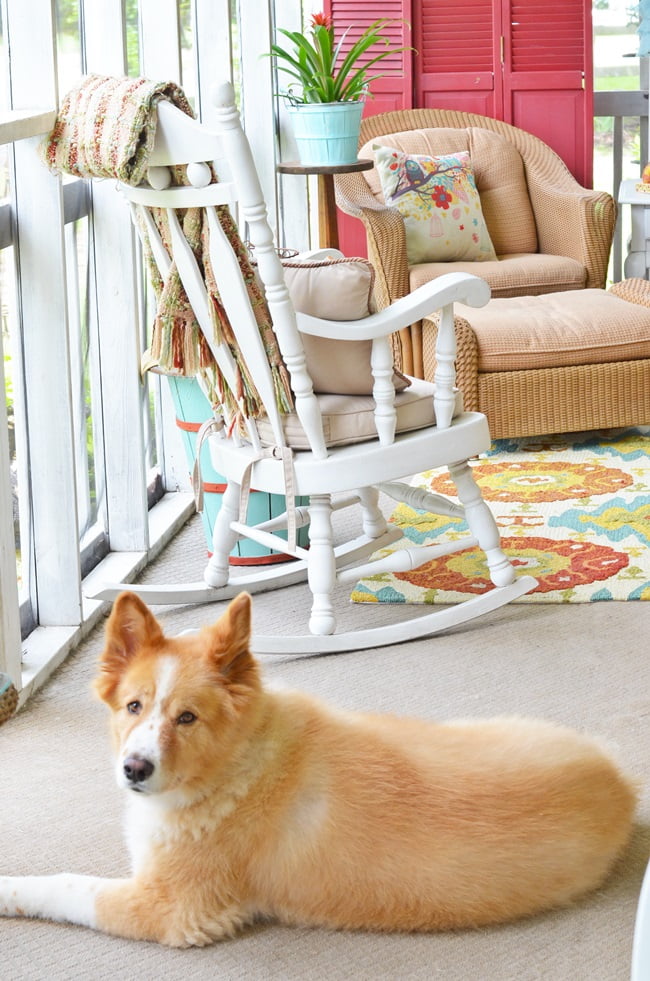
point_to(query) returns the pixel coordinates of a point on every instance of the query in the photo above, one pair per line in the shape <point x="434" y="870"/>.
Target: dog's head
<point x="180" y="705"/>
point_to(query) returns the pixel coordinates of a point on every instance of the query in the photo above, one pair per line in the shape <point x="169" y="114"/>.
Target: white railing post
<point x="117" y="316"/>
<point x="212" y="52"/>
<point x="160" y="49"/>
<point x="257" y="101"/>
<point x="9" y="615"/>
<point x="293" y="230"/>
<point x="38" y="203"/>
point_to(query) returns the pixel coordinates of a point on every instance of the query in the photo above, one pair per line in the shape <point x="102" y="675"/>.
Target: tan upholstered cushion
<point x="336" y="289"/>
<point x="512" y="275"/>
<point x="557" y="330"/>
<point x="351" y="419"/>
<point x="498" y="170"/>
<point x="501" y="181"/>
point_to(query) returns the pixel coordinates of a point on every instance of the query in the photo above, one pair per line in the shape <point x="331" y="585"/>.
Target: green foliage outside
<point x="618" y="83"/>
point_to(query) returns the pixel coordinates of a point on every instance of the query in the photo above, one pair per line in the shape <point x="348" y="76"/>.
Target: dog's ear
<point x="231" y="636"/>
<point x="130" y="626"/>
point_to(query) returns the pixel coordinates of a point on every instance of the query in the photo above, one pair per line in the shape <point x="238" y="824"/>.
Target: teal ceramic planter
<point x="192" y="409"/>
<point x="327" y="133"/>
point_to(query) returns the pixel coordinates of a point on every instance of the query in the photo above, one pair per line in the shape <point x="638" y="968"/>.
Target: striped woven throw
<point x="106" y="128"/>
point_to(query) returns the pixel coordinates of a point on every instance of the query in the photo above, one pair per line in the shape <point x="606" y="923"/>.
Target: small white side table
<point x="637" y="262"/>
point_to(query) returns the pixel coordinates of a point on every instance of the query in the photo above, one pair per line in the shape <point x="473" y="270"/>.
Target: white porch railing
<point x="627" y="111"/>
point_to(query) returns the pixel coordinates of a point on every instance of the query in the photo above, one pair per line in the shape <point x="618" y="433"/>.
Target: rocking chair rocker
<point x="336" y="450"/>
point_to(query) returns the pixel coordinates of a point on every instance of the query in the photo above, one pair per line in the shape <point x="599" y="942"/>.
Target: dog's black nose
<point x="137" y="770"/>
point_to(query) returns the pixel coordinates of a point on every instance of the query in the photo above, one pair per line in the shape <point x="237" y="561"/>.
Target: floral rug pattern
<point x="573" y="511"/>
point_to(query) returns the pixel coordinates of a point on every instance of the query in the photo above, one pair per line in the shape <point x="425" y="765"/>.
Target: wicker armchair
<point x="573" y="226"/>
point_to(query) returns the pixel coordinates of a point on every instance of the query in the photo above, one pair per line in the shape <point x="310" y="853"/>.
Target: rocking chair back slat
<point x="286" y="330"/>
<point x="194" y="286"/>
<point x="160" y="254"/>
<point x="235" y="299"/>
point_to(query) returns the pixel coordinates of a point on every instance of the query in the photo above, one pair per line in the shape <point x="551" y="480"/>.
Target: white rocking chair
<point x="422" y="427"/>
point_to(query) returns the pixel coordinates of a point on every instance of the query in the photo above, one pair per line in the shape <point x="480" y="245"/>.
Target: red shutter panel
<point x="528" y="62"/>
<point x="547" y="36"/>
<point x="394" y="89"/>
<point x="457" y="60"/>
<point x="548" y="76"/>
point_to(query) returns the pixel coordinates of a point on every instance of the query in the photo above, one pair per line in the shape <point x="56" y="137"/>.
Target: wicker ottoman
<point x="556" y="363"/>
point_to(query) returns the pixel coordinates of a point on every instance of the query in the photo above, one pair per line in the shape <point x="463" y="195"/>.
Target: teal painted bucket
<point x="8" y="697"/>
<point x="192" y="409"/>
<point x="326" y="133"/>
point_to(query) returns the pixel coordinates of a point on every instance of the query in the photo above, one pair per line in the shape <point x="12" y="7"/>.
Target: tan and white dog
<point x="248" y="803"/>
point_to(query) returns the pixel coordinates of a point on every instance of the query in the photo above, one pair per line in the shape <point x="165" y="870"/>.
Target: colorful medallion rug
<point x="573" y="511"/>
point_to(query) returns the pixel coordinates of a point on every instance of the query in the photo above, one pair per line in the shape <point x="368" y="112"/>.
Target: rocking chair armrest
<point x="422" y="302"/>
<point x="318" y="255"/>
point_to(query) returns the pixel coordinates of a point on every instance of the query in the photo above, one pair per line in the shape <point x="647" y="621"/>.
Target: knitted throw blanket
<point x="106" y="128"/>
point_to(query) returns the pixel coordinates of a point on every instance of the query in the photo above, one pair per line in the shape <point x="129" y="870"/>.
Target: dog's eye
<point x="185" y="719"/>
<point x="134" y="708"/>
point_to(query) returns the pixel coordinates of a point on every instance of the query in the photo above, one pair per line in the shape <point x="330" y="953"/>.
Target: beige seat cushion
<point x="501" y="181"/>
<point x="351" y="419"/>
<point x="557" y="330"/>
<point x="498" y="171"/>
<point x="512" y="275"/>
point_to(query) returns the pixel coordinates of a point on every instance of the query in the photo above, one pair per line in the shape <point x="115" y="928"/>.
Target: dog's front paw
<point x="9" y="896"/>
<point x="201" y="931"/>
<point x="64" y="897"/>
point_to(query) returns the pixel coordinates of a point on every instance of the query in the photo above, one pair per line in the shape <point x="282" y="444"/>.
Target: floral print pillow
<point x="438" y="199"/>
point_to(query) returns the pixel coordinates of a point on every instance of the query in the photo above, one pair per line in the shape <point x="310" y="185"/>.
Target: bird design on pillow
<point x="440" y="179"/>
<point x="440" y="204"/>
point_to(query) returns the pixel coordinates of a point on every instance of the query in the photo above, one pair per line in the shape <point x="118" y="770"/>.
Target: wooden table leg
<point x="328" y="232"/>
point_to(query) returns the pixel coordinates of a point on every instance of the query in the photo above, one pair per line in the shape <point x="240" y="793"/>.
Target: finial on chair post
<point x="222" y="95"/>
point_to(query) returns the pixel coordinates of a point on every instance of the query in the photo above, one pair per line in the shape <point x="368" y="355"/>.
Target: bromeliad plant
<point x="323" y="71"/>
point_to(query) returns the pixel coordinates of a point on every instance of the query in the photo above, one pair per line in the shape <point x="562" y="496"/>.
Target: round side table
<point x="328" y="233"/>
